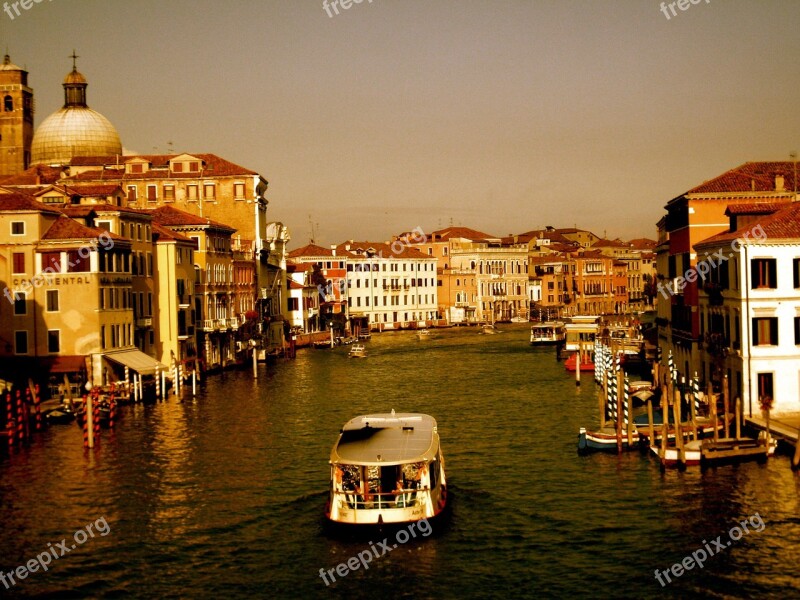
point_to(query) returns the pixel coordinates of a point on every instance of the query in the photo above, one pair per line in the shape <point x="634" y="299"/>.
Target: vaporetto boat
<point x="387" y="468"/>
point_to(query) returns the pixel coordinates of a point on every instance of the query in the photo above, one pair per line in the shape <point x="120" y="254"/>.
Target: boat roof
<point x="386" y="438"/>
<point x="547" y="324"/>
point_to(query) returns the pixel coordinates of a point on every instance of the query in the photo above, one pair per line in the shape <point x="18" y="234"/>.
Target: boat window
<point x="434" y="468"/>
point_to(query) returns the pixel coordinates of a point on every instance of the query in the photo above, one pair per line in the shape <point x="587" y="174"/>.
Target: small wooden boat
<point x="365" y="336"/>
<point x="323" y="344"/>
<point x="357" y="351"/>
<point x="488" y="329"/>
<point x="691" y="454"/>
<point x="604" y="439"/>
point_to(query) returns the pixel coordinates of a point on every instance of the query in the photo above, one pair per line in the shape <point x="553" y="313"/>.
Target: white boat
<point x="387" y="468"/>
<point x="423" y="334"/>
<point x="357" y="351"/>
<point x="488" y="329"/>
<point x="549" y="332"/>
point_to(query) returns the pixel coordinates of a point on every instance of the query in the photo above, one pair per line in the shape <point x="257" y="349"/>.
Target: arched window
<point x="8" y="104"/>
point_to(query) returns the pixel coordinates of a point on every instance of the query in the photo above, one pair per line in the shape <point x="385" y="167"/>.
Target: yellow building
<point x="69" y="291"/>
<point x="175" y="272"/>
<point x="218" y="292"/>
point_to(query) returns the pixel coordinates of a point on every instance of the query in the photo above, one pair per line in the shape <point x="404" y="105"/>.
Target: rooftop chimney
<point x="779" y="183"/>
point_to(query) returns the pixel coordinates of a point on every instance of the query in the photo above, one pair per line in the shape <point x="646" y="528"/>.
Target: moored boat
<point x="549" y="332"/>
<point x="387" y="468"/>
<point x="423" y="334"/>
<point x="604" y="439"/>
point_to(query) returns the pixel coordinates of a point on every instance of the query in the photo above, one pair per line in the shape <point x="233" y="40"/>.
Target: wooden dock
<point x="785" y="426"/>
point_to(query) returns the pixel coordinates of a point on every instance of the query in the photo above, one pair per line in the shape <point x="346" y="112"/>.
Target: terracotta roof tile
<point x="310" y="250"/>
<point x="782" y="225"/>
<point x="749" y="177"/>
<point x="24" y="202"/>
<point x="459" y="232"/>
<point x="163" y="234"/>
<point x="173" y="217"/>
<point x="379" y="248"/>
<point x="65" y="228"/>
<point x="214" y="166"/>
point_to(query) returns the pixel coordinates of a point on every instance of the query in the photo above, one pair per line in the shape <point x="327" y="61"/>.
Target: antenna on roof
<point x="313" y="234"/>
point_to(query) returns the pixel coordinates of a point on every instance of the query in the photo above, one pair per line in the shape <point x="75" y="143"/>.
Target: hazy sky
<point x="501" y="115"/>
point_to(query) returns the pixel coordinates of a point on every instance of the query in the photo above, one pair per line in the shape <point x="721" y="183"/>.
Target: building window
<point x="102" y="337"/>
<point x="20" y="303"/>
<point x="20" y="342"/>
<point x="54" y="341"/>
<point x="763" y="273"/>
<point x="8" y="104"/>
<point x="52" y="300"/>
<point x="51" y="262"/>
<point x="293" y="304"/>
<point x="169" y="193"/>
<point x="177" y="167"/>
<point x="796" y="272"/>
<point x="191" y="192"/>
<point x="151" y="193"/>
<point x="17" y="227"/>
<point x="137" y="168"/>
<point x="194" y="166"/>
<point x="765" y="331"/>
<point x="76" y="263"/>
<point x="238" y="191"/>
<point x="765" y="388"/>
<point x="797" y="331"/>
<point x="131" y="193"/>
<point x="19" y="262"/>
<point x="209" y="191"/>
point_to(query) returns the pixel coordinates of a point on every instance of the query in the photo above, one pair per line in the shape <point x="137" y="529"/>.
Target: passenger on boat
<point x="400" y="495"/>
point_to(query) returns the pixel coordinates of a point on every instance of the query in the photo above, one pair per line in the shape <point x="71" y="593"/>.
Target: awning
<point x="136" y="360"/>
<point x="66" y="364"/>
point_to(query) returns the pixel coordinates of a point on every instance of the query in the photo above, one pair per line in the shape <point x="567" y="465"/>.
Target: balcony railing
<point x="144" y="322"/>
<point x="209" y="325"/>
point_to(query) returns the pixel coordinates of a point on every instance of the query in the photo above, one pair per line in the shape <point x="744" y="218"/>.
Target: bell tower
<point x="16" y="118"/>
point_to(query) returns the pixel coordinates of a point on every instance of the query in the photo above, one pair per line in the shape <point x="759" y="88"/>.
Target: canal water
<point x="222" y="495"/>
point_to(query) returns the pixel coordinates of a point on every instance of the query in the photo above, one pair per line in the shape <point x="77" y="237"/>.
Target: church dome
<point x="75" y="129"/>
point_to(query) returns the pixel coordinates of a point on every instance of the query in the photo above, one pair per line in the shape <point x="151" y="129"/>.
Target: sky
<point x="500" y="115"/>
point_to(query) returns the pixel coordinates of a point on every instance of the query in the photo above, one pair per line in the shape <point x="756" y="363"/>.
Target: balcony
<point x="144" y="322"/>
<point x="209" y="325"/>
<point x="233" y="323"/>
<point x="222" y="323"/>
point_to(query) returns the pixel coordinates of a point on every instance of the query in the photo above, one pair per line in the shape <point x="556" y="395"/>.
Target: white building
<point x="391" y="285"/>
<point x="749" y="305"/>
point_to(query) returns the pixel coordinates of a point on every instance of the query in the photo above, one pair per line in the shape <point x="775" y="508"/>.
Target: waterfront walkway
<point x="785" y="426"/>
